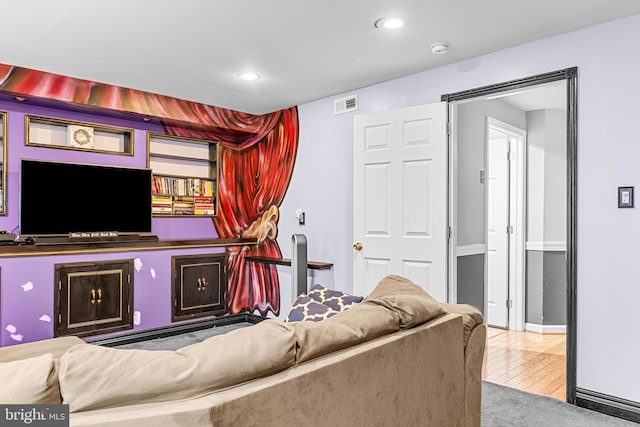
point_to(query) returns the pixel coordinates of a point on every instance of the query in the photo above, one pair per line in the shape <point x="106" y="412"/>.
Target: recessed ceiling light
<point x="248" y="76"/>
<point x="389" y="23"/>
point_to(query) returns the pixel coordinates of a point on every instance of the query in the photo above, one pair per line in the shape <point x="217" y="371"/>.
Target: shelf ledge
<point x="16" y="250"/>
<point x="313" y="265"/>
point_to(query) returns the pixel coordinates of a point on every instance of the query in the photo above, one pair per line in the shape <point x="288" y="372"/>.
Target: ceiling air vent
<point x="346" y="104"/>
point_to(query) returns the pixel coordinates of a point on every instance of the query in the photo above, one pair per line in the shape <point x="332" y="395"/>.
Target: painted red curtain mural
<point x="254" y="177"/>
<point x="257" y="155"/>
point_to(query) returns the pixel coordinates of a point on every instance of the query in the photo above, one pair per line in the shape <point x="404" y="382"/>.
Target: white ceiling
<point x="193" y="49"/>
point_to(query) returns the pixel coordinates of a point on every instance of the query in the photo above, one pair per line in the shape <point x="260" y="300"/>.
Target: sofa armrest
<point x="475" y="335"/>
<point x="471" y="317"/>
<point x="473" y="360"/>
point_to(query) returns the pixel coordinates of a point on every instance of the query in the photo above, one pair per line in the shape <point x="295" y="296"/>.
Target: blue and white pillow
<point x="319" y="304"/>
<point x="337" y="300"/>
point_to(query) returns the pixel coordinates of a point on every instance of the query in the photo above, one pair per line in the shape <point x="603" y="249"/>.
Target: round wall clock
<point x="80" y="136"/>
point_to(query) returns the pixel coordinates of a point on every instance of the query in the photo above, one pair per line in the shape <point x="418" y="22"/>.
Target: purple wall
<point x="27" y="283"/>
<point x="164" y="228"/>
<point x="26" y="301"/>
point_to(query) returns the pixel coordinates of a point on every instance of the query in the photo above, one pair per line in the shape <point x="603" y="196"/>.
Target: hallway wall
<point x="608" y="238"/>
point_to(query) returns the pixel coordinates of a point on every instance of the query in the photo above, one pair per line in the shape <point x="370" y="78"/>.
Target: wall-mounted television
<point x="60" y="199"/>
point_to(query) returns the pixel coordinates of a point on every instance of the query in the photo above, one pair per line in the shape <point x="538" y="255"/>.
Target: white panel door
<point x="498" y="237"/>
<point x="400" y="198"/>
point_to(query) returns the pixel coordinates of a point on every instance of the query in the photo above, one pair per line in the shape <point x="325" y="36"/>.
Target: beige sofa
<point x="399" y="358"/>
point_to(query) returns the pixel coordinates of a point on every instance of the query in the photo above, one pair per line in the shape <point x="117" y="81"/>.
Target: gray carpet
<point x="505" y="406"/>
<point x="177" y="341"/>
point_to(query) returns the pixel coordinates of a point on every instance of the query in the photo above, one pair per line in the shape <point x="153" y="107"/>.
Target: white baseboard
<point x="545" y="329"/>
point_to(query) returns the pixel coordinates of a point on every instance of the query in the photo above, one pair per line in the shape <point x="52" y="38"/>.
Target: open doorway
<point x="512" y="206"/>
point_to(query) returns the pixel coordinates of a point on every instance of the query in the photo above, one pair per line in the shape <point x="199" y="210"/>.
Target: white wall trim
<point x="452" y="253"/>
<point x="546" y="329"/>
<point x="467" y="250"/>
<point x="547" y="246"/>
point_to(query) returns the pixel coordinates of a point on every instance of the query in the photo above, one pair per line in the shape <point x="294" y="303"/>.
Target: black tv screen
<point x="61" y="198"/>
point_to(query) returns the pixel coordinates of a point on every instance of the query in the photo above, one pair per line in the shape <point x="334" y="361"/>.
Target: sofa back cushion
<point x="55" y="346"/>
<point x="413" y="304"/>
<point x="362" y="322"/>
<point x="29" y="381"/>
<point x="94" y="377"/>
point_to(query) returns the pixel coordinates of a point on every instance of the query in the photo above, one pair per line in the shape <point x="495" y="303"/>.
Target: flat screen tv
<point x="57" y="199"/>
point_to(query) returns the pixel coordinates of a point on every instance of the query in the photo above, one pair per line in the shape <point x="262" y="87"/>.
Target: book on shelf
<point x="158" y="199"/>
<point x="182" y="196"/>
<point x="182" y="186"/>
<point x="196" y="186"/>
<point x="203" y="206"/>
<point x="183" y="210"/>
<point x="183" y="205"/>
<point x="207" y="189"/>
<point x="161" y="204"/>
<point x="161" y="185"/>
<point x="166" y="210"/>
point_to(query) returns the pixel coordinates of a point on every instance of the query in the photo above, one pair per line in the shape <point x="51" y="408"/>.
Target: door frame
<point x="570" y="75"/>
<point x="517" y="204"/>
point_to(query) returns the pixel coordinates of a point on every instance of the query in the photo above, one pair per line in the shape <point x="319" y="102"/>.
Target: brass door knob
<point x="357" y="246"/>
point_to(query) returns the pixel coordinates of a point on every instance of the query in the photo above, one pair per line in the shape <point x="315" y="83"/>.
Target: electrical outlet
<point x="300" y="214"/>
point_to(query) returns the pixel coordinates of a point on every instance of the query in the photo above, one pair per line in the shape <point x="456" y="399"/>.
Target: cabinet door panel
<point x="110" y="296"/>
<point x="212" y="289"/>
<point x="80" y="301"/>
<point x="199" y="286"/>
<point x="93" y="298"/>
<point x="193" y="283"/>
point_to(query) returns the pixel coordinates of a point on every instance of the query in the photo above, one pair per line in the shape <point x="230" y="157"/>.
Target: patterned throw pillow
<point x="319" y="304"/>
<point x="337" y="300"/>
<point x="307" y="308"/>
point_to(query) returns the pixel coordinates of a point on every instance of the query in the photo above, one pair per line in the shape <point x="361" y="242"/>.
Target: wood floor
<point x="527" y="361"/>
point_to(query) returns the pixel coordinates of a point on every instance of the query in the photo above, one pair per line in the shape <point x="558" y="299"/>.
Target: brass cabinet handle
<point x="202" y="283"/>
<point x="93" y="296"/>
<point x="357" y="246"/>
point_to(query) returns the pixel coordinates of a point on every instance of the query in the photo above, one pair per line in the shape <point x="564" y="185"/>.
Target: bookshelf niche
<point x="70" y="135"/>
<point x="185" y="175"/>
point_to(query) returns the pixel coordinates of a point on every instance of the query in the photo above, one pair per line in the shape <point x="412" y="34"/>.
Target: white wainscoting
<point x="467" y="250"/>
<point x="546" y="246"/>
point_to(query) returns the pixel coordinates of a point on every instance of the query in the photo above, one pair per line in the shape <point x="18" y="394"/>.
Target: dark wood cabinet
<point x="93" y="298"/>
<point x="199" y="286"/>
